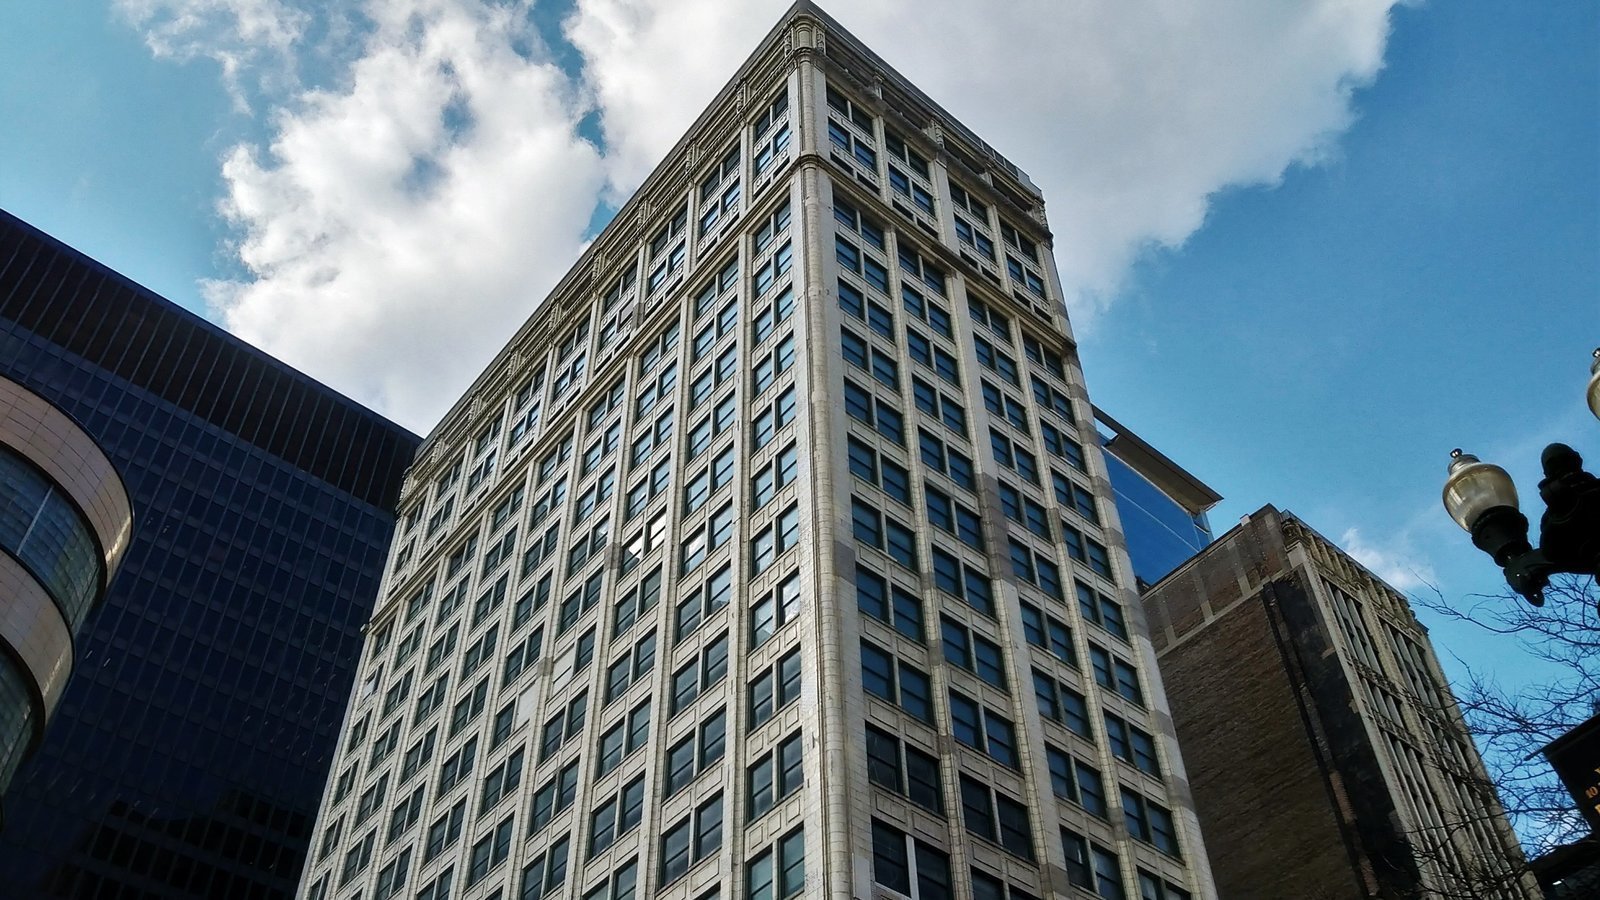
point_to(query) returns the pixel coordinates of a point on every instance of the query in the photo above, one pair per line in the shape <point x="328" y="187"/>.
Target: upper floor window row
<point x="852" y="111"/>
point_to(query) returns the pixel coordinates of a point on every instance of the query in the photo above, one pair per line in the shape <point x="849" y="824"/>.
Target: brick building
<point x="1326" y="754"/>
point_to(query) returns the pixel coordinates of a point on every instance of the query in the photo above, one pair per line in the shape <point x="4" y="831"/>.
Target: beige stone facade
<point x="774" y="555"/>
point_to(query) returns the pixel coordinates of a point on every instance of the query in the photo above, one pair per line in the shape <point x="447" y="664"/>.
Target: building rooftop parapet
<point x="615" y="249"/>
<point x="1195" y="495"/>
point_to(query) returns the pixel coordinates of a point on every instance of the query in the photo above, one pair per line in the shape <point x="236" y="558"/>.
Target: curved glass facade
<point x="47" y="534"/>
<point x="17" y="712"/>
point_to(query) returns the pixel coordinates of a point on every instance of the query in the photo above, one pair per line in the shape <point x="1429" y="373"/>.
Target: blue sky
<point x="1304" y="275"/>
<point x="1323" y="344"/>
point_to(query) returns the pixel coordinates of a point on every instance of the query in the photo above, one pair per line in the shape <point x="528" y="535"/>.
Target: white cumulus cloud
<point x="403" y="220"/>
<point x="247" y="39"/>
<point x="1394" y="561"/>
<point x="400" y="227"/>
<point x="1129" y="114"/>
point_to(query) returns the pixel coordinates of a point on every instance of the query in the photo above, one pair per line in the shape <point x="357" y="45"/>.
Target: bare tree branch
<point x="1512" y="723"/>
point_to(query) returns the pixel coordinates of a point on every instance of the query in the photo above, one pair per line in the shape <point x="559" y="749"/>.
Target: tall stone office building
<point x="774" y="556"/>
<point x="1327" y="754"/>
<point x="190" y="746"/>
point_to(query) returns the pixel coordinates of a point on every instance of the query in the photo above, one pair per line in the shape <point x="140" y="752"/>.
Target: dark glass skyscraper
<point x="189" y="751"/>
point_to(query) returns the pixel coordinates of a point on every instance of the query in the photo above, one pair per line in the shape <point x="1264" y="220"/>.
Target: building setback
<point x="1162" y="507"/>
<point x="1327" y="755"/>
<point x="190" y="746"/>
<point x="775" y="554"/>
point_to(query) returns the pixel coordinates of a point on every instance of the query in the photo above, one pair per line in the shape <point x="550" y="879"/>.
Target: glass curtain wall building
<point x="775" y="555"/>
<point x="1162" y="507"/>
<point x="189" y="749"/>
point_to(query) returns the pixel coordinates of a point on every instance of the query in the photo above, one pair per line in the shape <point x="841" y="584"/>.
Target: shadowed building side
<point x="1326" y="754"/>
<point x="188" y="751"/>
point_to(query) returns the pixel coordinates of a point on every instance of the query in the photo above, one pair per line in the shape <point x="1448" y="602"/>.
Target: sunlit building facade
<point x="775" y="555"/>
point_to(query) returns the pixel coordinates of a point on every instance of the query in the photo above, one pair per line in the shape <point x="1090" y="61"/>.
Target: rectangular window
<point x="775" y="689"/>
<point x="630" y="667"/>
<point x="700" y="603"/>
<point x="769" y="420"/>
<point x="1060" y="703"/>
<point x="772" y="541"/>
<point x="893" y="605"/>
<point x="501" y="782"/>
<point x="699" y="674"/>
<point x="861" y="405"/>
<point x="438" y="888"/>
<point x="695" y="752"/>
<point x="1115" y="674"/>
<point x="1101" y="610"/>
<point x="848" y="217"/>
<point x="892" y="679"/>
<point x="867" y="465"/>
<point x="884" y="532"/>
<point x="1052" y="399"/>
<point x="939" y="406"/>
<point x="1058" y="444"/>
<point x="771" y="134"/>
<point x="1154" y="888"/>
<point x="971" y="234"/>
<point x="928" y="311"/>
<point x="914" y="265"/>
<point x="946" y="460"/>
<point x="996" y="817"/>
<point x="774" y="776"/>
<point x="1036" y="568"/>
<point x="997" y="361"/>
<point x="1131" y="744"/>
<point x="616" y="816"/>
<point x="891" y="864"/>
<point x="1014" y="456"/>
<point x="777" y="873"/>
<point x="563" y="726"/>
<point x="489" y="852"/>
<point x="458" y="766"/>
<point x="973" y="652"/>
<point x="693" y="839"/>
<point x="1076" y="781"/>
<point x="1075" y="497"/>
<point x="554" y="796"/>
<point x="777" y="609"/>
<point x="982" y="729"/>
<point x="905" y="770"/>
<point x="963" y="581"/>
<point x="1004" y="406"/>
<point x="954" y="518"/>
<point x="1048" y="633"/>
<point x="1150" y="822"/>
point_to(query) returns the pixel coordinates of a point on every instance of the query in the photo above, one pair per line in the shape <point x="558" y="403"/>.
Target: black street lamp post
<point x="1482" y="499"/>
